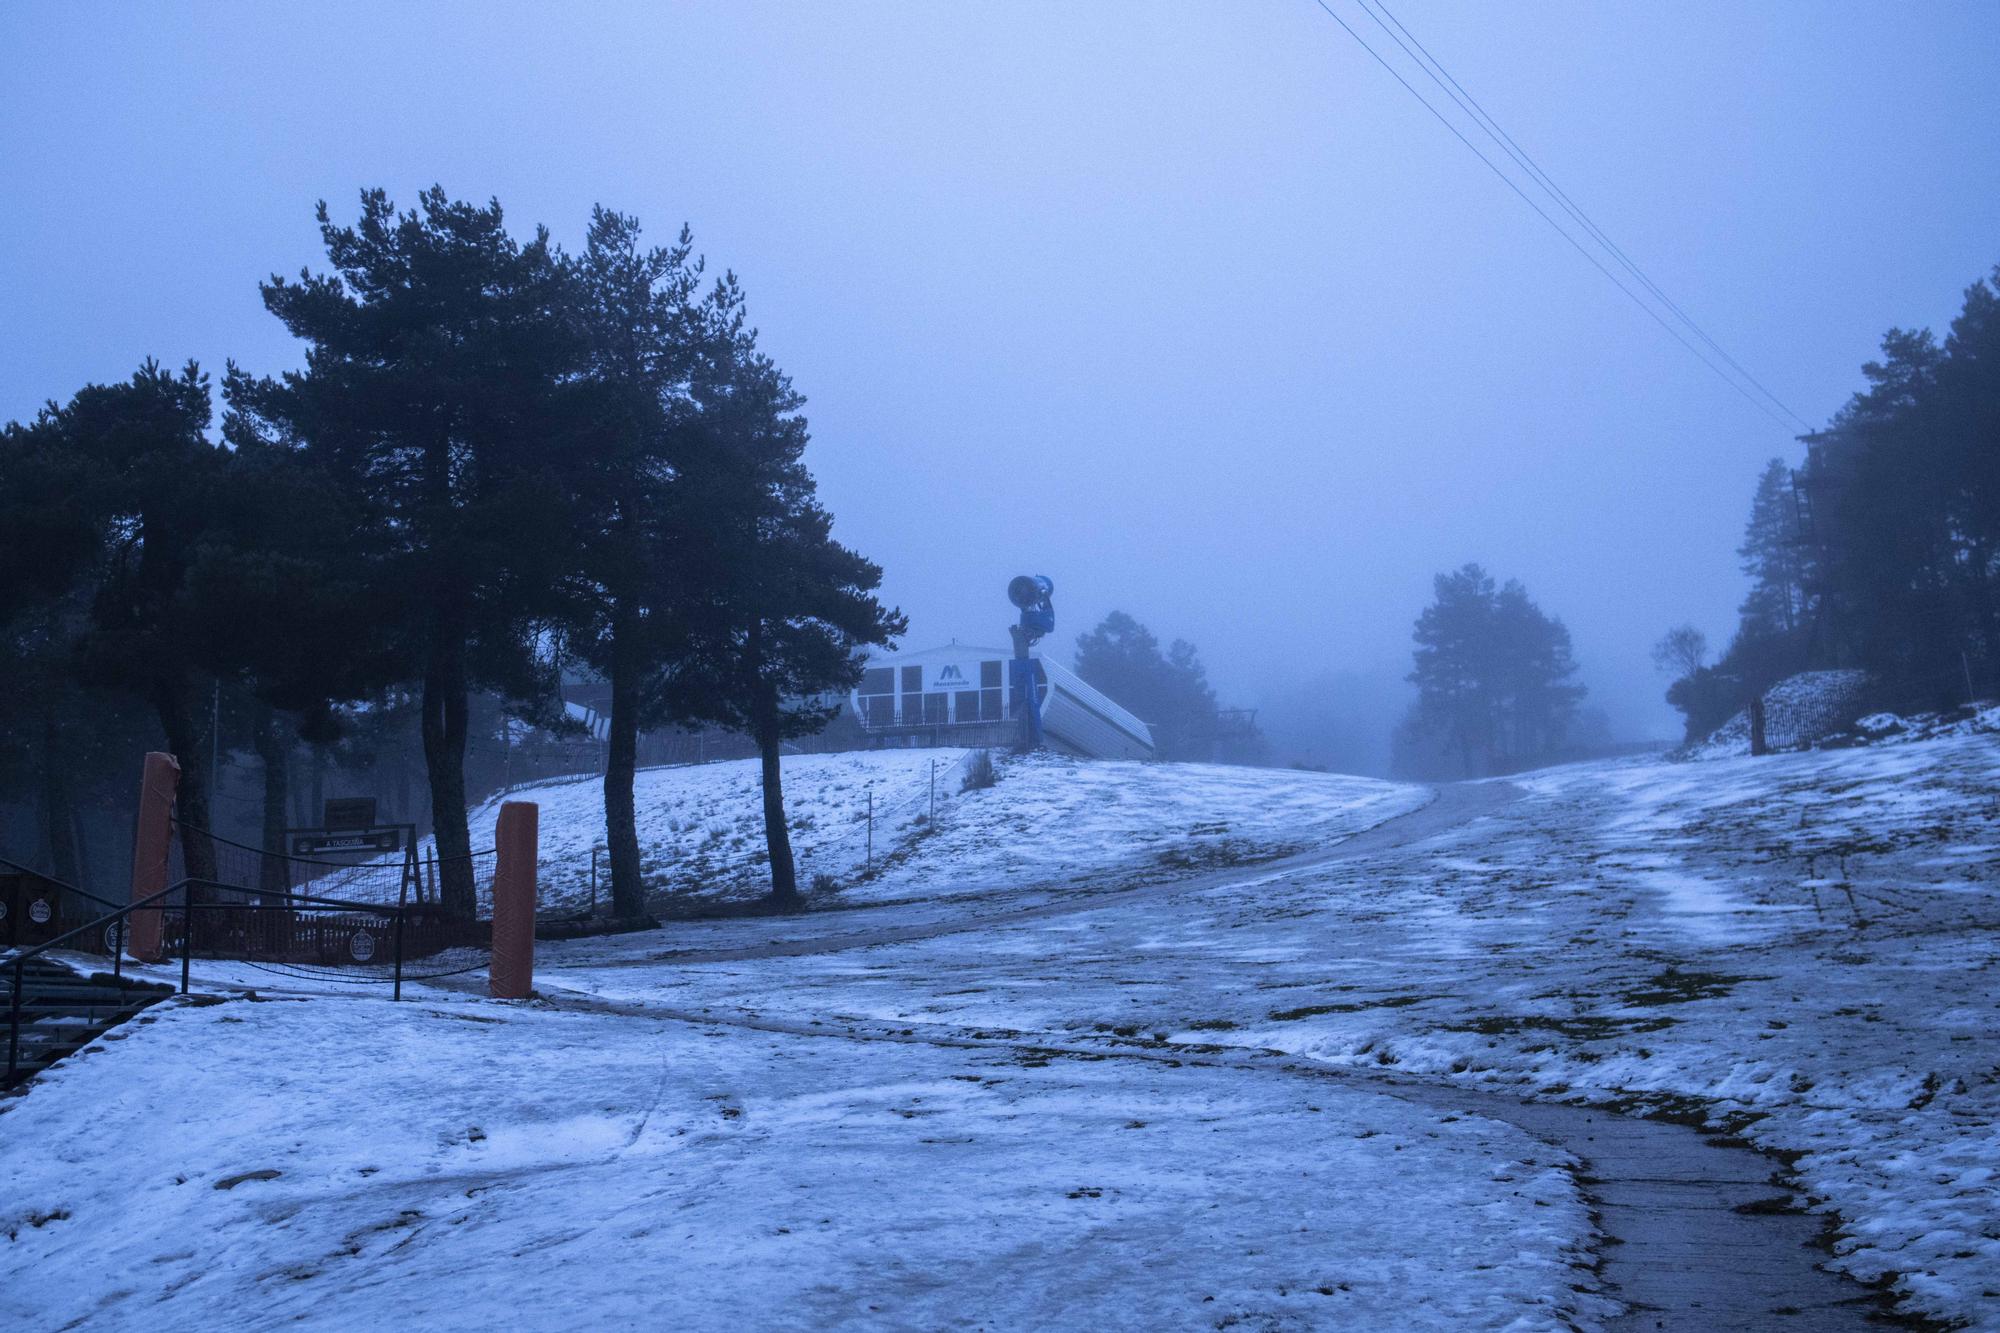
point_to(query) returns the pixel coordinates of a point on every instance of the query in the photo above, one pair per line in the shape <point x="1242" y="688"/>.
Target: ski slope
<point x="1048" y="819"/>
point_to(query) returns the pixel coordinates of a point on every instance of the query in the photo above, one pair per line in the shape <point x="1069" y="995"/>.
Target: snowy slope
<point x="1809" y="944"/>
<point x="473" y="1165"/>
<point x="701" y="827"/>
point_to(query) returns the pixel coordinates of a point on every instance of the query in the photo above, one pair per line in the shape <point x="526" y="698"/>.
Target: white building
<point x="958" y="695"/>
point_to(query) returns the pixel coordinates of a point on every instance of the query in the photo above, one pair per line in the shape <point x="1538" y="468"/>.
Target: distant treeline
<point x="500" y="461"/>
<point x="1881" y="552"/>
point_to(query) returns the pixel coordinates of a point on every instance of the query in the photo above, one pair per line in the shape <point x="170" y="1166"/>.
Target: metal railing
<point x="116" y="928"/>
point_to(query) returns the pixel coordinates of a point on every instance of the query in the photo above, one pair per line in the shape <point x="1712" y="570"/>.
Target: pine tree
<point x="1773" y="553"/>
<point x="1167" y="690"/>
<point x="436" y="349"/>
<point x="149" y="491"/>
<point x="632" y="447"/>
<point x="1493" y="674"/>
<point x="786" y="610"/>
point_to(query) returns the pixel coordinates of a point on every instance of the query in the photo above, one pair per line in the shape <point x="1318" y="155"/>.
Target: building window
<point x="878" y="680"/>
<point x="989" y="675"/>
<point x="913" y="680"/>
<point x="934" y="709"/>
<point x="990" y="705"/>
<point x="967" y="704"/>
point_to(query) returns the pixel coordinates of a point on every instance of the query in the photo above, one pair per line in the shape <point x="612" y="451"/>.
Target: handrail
<point x="19" y="959"/>
<point x="23" y="956"/>
<point x="62" y="884"/>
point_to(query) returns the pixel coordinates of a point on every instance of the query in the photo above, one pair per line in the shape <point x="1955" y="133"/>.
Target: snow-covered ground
<point x="1047" y="820"/>
<point x="343" y="1163"/>
<point x="1807" y="944"/>
<point x="1804" y="948"/>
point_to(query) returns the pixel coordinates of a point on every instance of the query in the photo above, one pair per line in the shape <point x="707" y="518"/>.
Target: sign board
<point x="322" y="842"/>
<point x="40" y="910"/>
<point x="349" y="813"/>
<point x="361" y="947"/>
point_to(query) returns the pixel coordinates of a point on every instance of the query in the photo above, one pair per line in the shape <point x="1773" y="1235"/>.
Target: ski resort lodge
<point x="957" y="695"/>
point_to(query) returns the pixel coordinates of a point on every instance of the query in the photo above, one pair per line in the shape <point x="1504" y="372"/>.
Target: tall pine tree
<point x="437" y="348"/>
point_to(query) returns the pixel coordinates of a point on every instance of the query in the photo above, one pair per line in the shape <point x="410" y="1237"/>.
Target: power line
<point x="1559" y="229"/>
<point x="1441" y="76"/>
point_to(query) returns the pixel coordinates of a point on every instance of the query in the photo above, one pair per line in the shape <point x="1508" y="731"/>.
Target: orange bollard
<point x="152" y="843"/>
<point x="516" y="843"/>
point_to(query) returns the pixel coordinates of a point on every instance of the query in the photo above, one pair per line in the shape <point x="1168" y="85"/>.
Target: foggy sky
<point x="1190" y="307"/>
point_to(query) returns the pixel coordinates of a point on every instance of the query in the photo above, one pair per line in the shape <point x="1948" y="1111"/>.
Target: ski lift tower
<point x="1030" y="593"/>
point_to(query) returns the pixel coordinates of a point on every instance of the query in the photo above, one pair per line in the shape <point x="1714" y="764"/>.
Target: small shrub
<point x="825" y="883"/>
<point x="979" y="774"/>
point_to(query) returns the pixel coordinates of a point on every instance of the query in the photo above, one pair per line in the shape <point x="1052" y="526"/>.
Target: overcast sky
<point x="1189" y="306"/>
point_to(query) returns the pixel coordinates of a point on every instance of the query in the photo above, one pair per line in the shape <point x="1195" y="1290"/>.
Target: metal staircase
<point x="61" y="1010"/>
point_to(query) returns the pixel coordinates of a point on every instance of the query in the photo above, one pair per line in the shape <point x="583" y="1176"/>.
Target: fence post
<point x="14" y="1029"/>
<point x="187" y="932"/>
<point x="399" y="955"/>
<point x="871" y="826"/>
<point x="932" y="820"/>
<point x="512" y="975"/>
<point x="152" y="843"/>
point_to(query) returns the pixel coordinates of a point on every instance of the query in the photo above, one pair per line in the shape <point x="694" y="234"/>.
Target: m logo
<point x="949" y="675"/>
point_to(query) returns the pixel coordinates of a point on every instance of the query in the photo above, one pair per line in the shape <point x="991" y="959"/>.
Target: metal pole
<point x="187" y="933"/>
<point x="1971" y="697"/>
<point x="118" y="946"/>
<point x="215" y="740"/>
<point x="399" y="955"/>
<point x="933" y="816"/>
<point x="14" y="1029"/>
<point x="593" y="880"/>
<point x="871" y="826"/>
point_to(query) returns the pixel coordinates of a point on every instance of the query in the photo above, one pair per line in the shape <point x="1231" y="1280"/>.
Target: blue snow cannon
<point x="1031" y="593"/>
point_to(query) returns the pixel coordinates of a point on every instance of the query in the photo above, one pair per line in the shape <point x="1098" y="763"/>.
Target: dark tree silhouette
<point x="1167" y="690"/>
<point x="786" y="608"/>
<point x="1494" y="675"/>
<point x="436" y="349"/>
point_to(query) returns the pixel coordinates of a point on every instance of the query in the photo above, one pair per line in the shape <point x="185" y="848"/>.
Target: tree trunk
<point x="784" y="876"/>
<point x="444" y="706"/>
<point x="273" y="754"/>
<point x="621" y="825"/>
<point x="59" y="805"/>
<point x="180" y="721"/>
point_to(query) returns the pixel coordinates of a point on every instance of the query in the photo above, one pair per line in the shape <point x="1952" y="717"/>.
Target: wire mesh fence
<point x="876" y="832"/>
